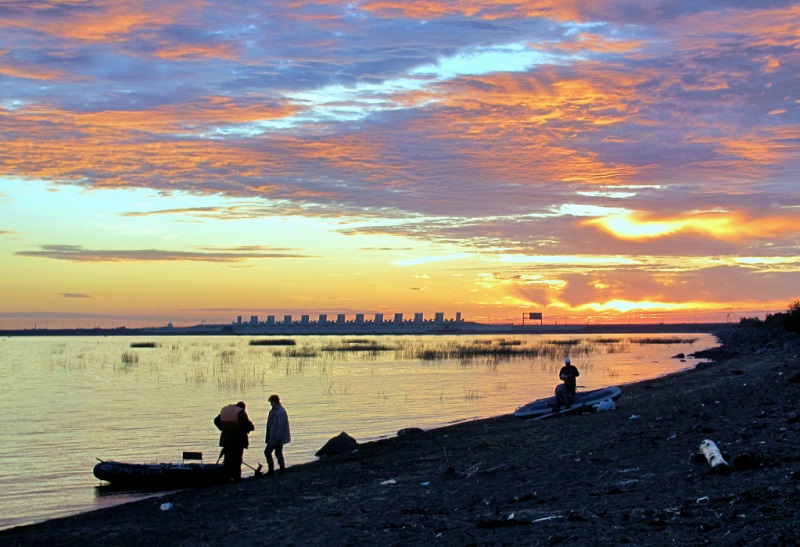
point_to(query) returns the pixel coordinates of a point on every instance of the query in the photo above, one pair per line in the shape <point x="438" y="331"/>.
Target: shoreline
<point x="616" y="477"/>
<point x="371" y="329"/>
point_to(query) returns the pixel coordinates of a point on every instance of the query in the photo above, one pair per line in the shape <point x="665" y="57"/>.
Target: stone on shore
<point x="340" y="444"/>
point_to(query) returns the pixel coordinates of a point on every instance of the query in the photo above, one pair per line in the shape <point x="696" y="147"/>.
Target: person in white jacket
<point x="278" y="434"/>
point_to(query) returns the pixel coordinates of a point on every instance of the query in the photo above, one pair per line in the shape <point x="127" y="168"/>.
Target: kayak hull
<point x="543" y="407"/>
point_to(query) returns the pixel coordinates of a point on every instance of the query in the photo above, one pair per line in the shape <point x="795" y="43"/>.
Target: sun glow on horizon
<point x="729" y="226"/>
<point x="625" y="306"/>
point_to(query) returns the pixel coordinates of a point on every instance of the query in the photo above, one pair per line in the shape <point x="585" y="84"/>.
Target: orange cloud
<point x="98" y="22"/>
<point x="771" y="26"/>
<point x="31" y="72"/>
<point x="728" y="226"/>
<point x="194" y="51"/>
<point x="205" y="113"/>
<point x="534" y="123"/>
<point x="127" y="148"/>
<point x="114" y="22"/>
<point x="76" y="253"/>
<point x="486" y="9"/>
<point x="769" y="146"/>
<point x="598" y="43"/>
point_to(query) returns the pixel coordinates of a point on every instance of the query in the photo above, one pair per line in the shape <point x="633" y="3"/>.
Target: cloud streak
<point x="74" y="253"/>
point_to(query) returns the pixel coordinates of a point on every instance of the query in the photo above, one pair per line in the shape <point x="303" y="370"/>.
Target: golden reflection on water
<point x="149" y="399"/>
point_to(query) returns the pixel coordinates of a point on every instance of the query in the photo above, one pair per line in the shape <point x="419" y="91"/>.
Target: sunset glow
<point x="598" y="161"/>
<point x="720" y="226"/>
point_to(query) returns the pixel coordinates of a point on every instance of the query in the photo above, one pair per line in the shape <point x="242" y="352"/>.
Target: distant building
<point x="359" y="319"/>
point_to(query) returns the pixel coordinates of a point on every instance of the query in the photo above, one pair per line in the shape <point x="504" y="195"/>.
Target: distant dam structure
<point x="341" y="319"/>
<point x="340" y="323"/>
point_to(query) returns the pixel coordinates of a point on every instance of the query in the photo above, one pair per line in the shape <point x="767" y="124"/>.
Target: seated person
<point x="565" y="392"/>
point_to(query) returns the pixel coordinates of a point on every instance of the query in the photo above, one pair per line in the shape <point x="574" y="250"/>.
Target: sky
<point x="595" y="161"/>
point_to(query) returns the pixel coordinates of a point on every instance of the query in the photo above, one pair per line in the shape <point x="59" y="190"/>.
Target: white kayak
<point x="582" y="399"/>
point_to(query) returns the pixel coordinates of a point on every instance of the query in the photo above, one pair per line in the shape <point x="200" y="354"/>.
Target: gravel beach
<point x="628" y="476"/>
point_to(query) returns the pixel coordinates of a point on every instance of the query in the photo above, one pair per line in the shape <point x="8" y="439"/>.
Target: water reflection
<point x="148" y="400"/>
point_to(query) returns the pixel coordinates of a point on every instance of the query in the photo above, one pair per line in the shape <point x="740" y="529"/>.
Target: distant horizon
<point x="87" y="323"/>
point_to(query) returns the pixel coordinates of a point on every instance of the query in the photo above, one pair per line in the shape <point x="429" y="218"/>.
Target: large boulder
<point x="340" y="444"/>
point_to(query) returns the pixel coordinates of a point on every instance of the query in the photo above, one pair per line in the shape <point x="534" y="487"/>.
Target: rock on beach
<point x="340" y="444"/>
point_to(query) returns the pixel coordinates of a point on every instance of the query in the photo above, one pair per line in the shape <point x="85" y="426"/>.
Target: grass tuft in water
<point x="273" y="342"/>
<point x="359" y="345"/>
<point x="129" y="358"/>
<point x="664" y="340"/>
<point x="144" y="345"/>
<point x="471" y="395"/>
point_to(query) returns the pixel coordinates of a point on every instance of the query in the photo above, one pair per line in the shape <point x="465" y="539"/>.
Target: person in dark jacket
<point x="277" y="435"/>
<point x="565" y="392"/>
<point x="235" y="426"/>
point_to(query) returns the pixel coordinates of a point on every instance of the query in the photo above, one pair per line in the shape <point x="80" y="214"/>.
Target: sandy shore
<point x="626" y="476"/>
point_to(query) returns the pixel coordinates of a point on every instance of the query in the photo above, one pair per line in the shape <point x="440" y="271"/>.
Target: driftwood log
<point x="714" y="457"/>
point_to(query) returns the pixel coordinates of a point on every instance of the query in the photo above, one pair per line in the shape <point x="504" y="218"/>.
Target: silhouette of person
<point x="565" y="392"/>
<point x="278" y="434"/>
<point x="235" y="426"/>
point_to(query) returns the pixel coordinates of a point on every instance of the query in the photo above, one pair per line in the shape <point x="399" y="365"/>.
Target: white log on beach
<point x="713" y="456"/>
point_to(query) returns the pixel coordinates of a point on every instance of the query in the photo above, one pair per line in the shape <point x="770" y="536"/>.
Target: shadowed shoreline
<point x="627" y="476"/>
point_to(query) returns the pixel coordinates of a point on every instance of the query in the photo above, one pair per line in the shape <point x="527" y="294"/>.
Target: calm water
<point x="67" y="401"/>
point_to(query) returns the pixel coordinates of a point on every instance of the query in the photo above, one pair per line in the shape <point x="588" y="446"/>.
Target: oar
<point x="257" y="471"/>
